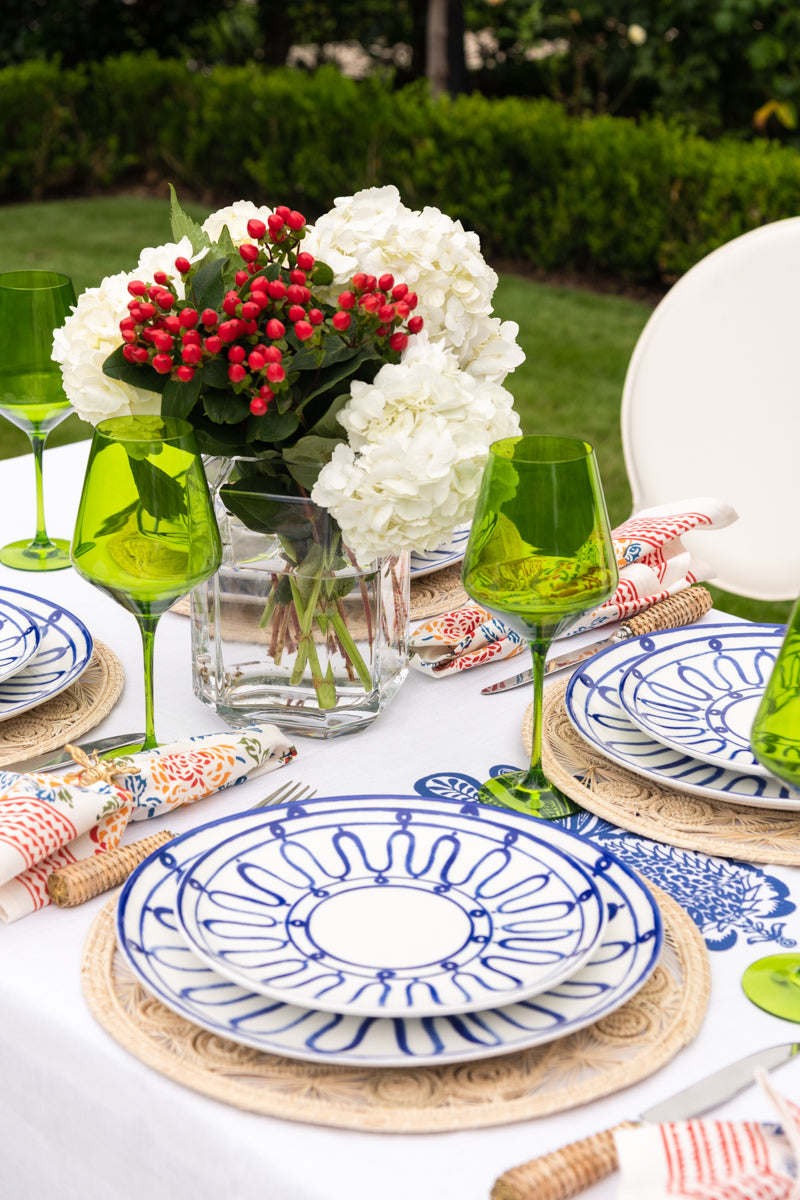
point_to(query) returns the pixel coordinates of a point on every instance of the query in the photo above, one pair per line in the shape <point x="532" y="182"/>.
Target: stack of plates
<point x="387" y="931"/>
<point x="43" y="649"/>
<point x="677" y="707"/>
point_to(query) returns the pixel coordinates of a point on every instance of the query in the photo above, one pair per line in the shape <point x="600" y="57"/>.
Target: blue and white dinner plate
<point x="19" y="638"/>
<point x="148" y="936"/>
<point x="423" y="562"/>
<point x="595" y="709"/>
<point x="65" y="647"/>
<point x="381" y="911"/>
<point x="701" y="697"/>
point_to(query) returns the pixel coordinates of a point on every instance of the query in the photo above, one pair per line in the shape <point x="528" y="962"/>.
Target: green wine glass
<point x="773" y="983"/>
<point x="32" y="305"/>
<point x="539" y="554"/>
<point x="145" y="531"/>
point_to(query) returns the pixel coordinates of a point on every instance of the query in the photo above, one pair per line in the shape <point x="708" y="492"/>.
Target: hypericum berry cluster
<point x="269" y="316"/>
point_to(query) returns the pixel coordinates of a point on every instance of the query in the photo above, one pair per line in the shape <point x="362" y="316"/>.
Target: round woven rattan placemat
<point x="622" y="1048"/>
<point x="640" y="805"/>
<point x="80" y="707"/>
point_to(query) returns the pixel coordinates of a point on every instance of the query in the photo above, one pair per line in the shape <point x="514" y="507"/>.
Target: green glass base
<point x="773" y="983"/>
<point x="512" y="791"/>
<point x="26" y="556"/>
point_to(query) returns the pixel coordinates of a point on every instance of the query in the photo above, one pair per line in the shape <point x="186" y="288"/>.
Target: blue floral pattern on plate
<point x="19" y="638"/>
<point x="700" y="697"/>
<point x="423" y="562"/>
<point x="149" y="939"/>
<point x="726" y="900"/>
<point x="385" y="910"/>
<point x="594" y="707"/>
<point x="65" y="647"/>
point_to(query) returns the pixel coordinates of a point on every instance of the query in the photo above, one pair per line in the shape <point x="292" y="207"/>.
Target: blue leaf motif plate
<point x="701" y="697"/>
<point x="423" y="562"/>
<point x="595" y="709"/>
<point x="389" y="911"/>
<point x="19" y="638"/>
<point x="65" y="648"/>
<point x="150" y="940"/>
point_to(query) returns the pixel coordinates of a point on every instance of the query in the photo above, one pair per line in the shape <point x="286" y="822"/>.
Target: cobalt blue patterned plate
<point x="595" y="709"/>
<point x="423" y="562"/>
<point x="19" y="638"/>
<point x="65" y="647"/>
<point x="148" y="936"/>
<point x="701" y="696"/>
<point x="381" y="911"/>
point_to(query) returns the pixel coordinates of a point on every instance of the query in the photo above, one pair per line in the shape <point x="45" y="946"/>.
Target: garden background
<point x="598" y="149"/>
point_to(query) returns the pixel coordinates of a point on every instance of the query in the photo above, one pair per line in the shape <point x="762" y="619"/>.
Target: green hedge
<point x="642" y="201"/>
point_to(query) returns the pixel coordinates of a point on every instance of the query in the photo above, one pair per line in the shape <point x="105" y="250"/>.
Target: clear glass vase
<point x="291" y="629"/>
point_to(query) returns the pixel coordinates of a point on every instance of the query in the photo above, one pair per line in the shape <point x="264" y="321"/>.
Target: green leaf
<point x="215" y="374"/>
<point x="329" y="376"/>
<point x="139" y="375"/>
<point x="207" y="285"/>
<point x="225" y="408"/>
<point x="273" y="426"/>
<point x="254" y="502"/>
<point x="159" y="493"/>
<point x="178" y="399"/>
<point x="328" y="424"/>
<point x="308" y="456"/>
<point x="184" y="226"/>
<point x="322" y="275"/>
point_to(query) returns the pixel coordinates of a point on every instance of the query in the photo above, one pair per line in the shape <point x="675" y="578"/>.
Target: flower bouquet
<point x="351" y="368"/>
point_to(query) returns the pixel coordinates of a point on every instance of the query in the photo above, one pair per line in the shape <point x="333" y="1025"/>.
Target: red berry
<point x="305" y="261"/>
<point x="230" y="303"/>
<point x="295" y="220"/>
<point x="165" y="299"/>
<point x="160" y="277"/>
<point x="411" y="299"/>
<point x="190" y="336"/>
<point x="148" y="333"/>
<point x="371" y="283"/>
<point x="189" y="317"/>
<point x="346" y="299"/>
<point x="276" y="289"/>
<point x="296" y="312"/>
<point x="402" y="309"/>
<point x="398" y="341"/>
<point x="185" y="373"/>
<point x="256" y="228"/>
<point x="140" y="354"/>
<point x="256" y="360"/>
<point x="162" y="363"/>
<point x="371" y="303"/>
<point x="296" y="276"/>
<point x="129" y="354"/>
<point x="147" y="310"/>
<point x="241" y="277"/>
<point x="275" y="329"/>
<point x="382" y="330"/>
<point x="386" y="313"/>
<point x="249" y="327"/>
<point x="213" y="344"/>
<point x="127" y="323"/>
<point x="271" y="353"/>
<point x="386" y="282"/>
<point x="236" y="373"/>
<point x="137" y="288"/>
<point x="415" y="324"/>
<point x="209" y="317"/>
<point x="172" y="324"/>
<point x="316" y="316"/>
<point x="303" y="330"/>
<point x="275" y="222"/>
<point x="360" y="281"/>
<point x="191" y="353"/>
<point x="282" y="211"/>
<point x="229" y="330"/>
<point x="248" y="252"/>
<point x="250" y="310"/>
<point x="400" y="291"/>
<point x="182" y="265"/>
<point x="257" y="406"/>
<point x="275" y="373"/>
<point x="342" y="321"/>
<point x="236" y="354"/>
<point x="295" y="293"/>
<point x="162" y="340"/>
<point x="266" y="393"/>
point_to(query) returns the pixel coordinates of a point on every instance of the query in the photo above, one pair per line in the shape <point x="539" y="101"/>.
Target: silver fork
<point x="284" y="794"/>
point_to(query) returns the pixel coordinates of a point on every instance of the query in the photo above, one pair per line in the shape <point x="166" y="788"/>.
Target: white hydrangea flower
<point x="235" y="216"/>
<point x="494" y="352"/>
<point x="91" y="333"/>
<point x="418" y="438"/>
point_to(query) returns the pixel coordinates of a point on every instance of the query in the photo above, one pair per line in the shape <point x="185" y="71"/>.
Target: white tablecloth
<point x="81" y="1119"/>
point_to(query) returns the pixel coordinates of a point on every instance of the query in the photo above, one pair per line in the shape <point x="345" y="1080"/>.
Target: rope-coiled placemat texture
<point x="622" y="1048"/>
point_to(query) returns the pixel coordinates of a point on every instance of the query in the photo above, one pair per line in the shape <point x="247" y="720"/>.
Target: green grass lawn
<point x="577" y="342"/>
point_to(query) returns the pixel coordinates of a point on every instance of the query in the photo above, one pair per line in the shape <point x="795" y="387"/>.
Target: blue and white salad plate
<point x="65" y="648"/>
<point x="151" y="942"/>
<point x="377" y="910"/>
<point x="595" y="709"/>
<point x="701" y="697"/>
<point x="423" y="562"/>
<point x="19" y="638"/>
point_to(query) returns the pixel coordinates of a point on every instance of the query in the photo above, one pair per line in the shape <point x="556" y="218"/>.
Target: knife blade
<point x="61" y="758"/>
<point x="673" y="613"/>
<point x="568" y="1171"/>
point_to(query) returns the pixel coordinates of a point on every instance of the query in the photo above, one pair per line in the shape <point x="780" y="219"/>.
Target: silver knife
<point x="570" y="1170"/>
<point x="667" y="614"/>
<point x="61" y="758"/>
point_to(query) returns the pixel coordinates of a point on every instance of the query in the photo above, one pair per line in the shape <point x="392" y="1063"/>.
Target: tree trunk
<point x="436" y="65"/>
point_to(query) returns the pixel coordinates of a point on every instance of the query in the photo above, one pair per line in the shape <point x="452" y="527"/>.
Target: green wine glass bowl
<point x="539" y="555"/>
<point x="145" y="533"/>
<point x="32" y="305"/>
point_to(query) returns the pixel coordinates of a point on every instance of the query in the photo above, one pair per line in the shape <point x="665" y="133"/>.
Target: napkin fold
<point x="47" y="821"/>
<point x="652" y="562"/>
<point x="713" y="1160"/>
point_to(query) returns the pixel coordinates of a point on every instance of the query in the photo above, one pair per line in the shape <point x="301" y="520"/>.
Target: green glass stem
<point x="147" y="628"/>
<point x="41" y="541"/>
<point x="773" y="983"/>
